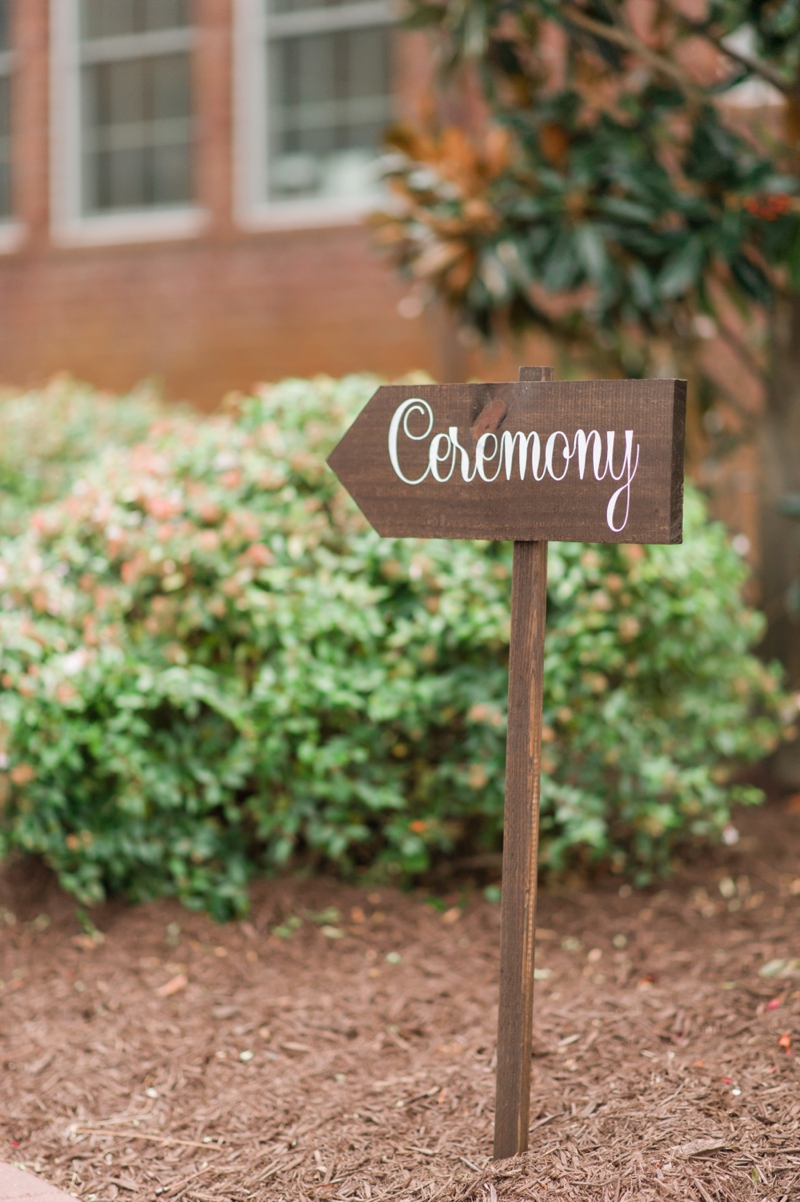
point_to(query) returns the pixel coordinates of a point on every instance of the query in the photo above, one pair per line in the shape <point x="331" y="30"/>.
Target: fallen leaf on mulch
<point x="38" y="1066"/>
<point x="84" y="942"/>
<point x="699" y="1147"/>
<point x="174" y="986"/>
<point x="785" y="1041"/>
<point x="780" y="968"/>
<point x="222" y="1012"/>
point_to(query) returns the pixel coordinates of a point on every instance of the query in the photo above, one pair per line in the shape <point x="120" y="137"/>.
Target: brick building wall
<point x="205" y="313"/>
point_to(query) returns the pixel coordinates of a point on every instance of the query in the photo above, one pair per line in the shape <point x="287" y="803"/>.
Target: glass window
<point x="5" y="109"/>
<point x="136" y="98"/>
<point x="328" y="96"/>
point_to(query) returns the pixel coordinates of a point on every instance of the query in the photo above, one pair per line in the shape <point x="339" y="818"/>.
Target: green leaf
<point x="682" y="270"/>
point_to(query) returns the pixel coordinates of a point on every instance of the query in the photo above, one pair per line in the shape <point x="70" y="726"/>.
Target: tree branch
<point x="629" y="41"/>
<point x="767" y="73"/>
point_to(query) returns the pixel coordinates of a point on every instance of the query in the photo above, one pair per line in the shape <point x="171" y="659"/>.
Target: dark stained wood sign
<point x="590" y="461"/>
<point x="584" y="461"/>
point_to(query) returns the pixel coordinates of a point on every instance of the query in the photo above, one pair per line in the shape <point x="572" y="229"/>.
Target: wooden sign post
<point x="582" y="461"/>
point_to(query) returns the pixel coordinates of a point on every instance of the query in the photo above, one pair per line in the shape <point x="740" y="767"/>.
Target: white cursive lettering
<point x="466" y="474"/>
<point x="446" y="452"/>
<point x="550" y="451"/>
<point x="434" y="458"/>
<point x="401" y="414"/>
<point x="626" y="470"/>
<point x="481" y="457"/>
<point x="581" y="445"/>
<point x="507" y="442"/>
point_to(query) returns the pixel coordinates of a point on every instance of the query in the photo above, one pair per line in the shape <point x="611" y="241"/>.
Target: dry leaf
<point x="38" y="1066"/>
<point x="222" y="1012"/>
<point x="174" y="986"/>
<point x="699" y="1147"/>
<point x="85" y="942"/>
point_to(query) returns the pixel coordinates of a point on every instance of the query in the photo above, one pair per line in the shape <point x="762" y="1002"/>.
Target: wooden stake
<point x="520" y="839"/>
<point x="416" y="467"/>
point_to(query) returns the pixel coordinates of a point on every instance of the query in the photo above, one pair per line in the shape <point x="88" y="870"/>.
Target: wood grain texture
<point x="520" y="848"/>
<point x="678" y="454"/>
<point x="511" y="507"/>
<point x="535" y="374"/>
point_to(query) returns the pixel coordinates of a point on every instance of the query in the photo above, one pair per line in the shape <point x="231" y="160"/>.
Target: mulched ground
<point x="350" y="1055"/>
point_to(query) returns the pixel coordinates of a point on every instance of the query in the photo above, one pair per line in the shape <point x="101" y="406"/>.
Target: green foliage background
<point x="634" y="179"/>
<point x="210" y="666"/>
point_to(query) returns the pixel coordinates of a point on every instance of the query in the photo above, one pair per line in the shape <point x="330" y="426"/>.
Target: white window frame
<point x="12" y="230"/>
<point x="70" y="225"/>
<point x="253" y="209"/>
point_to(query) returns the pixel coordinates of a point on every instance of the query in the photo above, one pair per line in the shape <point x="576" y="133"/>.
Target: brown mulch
<point x="181" y="1059"/>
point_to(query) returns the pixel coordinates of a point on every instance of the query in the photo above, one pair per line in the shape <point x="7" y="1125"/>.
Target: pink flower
<point x="163" y="508"/>
<point x="259" y="554"/>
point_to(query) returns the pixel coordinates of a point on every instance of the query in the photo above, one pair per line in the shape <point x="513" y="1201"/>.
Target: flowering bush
<point x="210" y="665"/>
<point x="49" y="435"/>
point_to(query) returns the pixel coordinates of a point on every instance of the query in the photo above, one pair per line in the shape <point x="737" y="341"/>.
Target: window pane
<point x="5" y="147"/>
<point x="295" y="6"/>
<point x="329" y="102"/>
<point x="165" y="14"/>
<point x="114" y="18"/>
<point x="172" y="174"/>
<point x="120" y="179"/>
<point x="121" y="92"/>
<point x="108" y="18"/>
<point x="171" y="86"/>
<point x="137" y="132"/>
<point x="5" y="23"/>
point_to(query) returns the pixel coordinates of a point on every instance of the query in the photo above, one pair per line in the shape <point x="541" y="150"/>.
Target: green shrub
<point x="210" y="665"/>
<point x="48" y="436"/>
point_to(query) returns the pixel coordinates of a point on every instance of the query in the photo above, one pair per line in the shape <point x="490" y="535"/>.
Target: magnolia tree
<point x="635" y="188"/>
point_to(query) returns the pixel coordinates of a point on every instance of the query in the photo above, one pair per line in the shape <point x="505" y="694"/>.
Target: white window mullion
<point x="65" y="114"/>
<point x="11" y="230"/>
<point x="250" y="110"/>
<point x="136" y="45"/>
<point x="324" y="20"/>
<point x="72" y="221"/>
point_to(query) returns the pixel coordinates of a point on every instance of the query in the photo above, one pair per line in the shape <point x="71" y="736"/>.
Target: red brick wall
<point x="204" y="315"/>
<point x="209" y="315"/>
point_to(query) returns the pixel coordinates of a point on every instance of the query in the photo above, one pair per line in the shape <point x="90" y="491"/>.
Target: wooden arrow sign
<point x="590" y="461"/>
<point x="585" y="461"/>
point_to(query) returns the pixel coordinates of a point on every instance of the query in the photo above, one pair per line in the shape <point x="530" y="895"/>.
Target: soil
<point x="350" y="1054"/>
